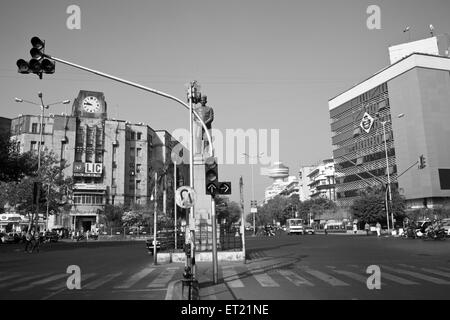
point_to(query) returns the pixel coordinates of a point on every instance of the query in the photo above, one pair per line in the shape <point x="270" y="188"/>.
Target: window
<point x="34" y="128"/>
<point x="138" y="152"/>
<point x="132" y="153"/>
<point x="33" y="146"/>
<point x="138" y="184"/>
<point x="138" y="168"/>
<point x="139" y="135"/>
<point x="133" y="135"/>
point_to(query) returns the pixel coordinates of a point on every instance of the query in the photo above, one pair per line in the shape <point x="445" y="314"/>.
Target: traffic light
<point x="187" y="274"/>
<point x="422" y="162"/>
<point x="211" y="176"/>
<point x="253" y="203"/>
<point x="38" y="193"/>
<point x="39" y="63"/>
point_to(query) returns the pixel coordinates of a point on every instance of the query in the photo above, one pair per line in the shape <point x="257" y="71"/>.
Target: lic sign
<point x="87" y="169"/>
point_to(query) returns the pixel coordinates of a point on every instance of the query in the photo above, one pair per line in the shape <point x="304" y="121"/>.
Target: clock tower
<point x="90" y="104"/>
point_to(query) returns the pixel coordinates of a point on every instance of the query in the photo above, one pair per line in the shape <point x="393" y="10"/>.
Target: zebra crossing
<point x="235" y="276"/>
<point x="332" y="276"/>
<point x="147" y="278"/>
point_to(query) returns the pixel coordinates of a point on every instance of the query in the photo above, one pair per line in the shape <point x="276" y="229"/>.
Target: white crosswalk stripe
<point x="135" y="278"/>
<point x="24" y="279"/>
<point x="352" y="275"/>
<point x="433" y="271"/>
<point x="41" y="282"/>
<point x="231" y="277"/>
<point x="294" y="278"/>
<point x="163" y="278"/>
<point x="391" y="277"/>
<point x="264" y="279"/>
<point x="417" y="275"/>
<point x="99" y="282"/>
<point x="63" y="284"/>
<point x="324" y="277"/>
<point x="11" y="276"/>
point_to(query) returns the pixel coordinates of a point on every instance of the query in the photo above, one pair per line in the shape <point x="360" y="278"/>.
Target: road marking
<point x="99" y="282"/>
<point x="163" y="278"/>
<point x="324" y="277"/>
<point x="416" y="275"/>
<point x="11" y="276"/>
<point x="433" y="271"/>
<point x="25" y="279"/>
<point x="264" y="279"/>
<point x="63" y="285"/>
<point x="231" y="278"/>
<point x="443" y="268"/>
<point x="352" y="275"/>
<point x="135" y="278"/>
<point x="39" y="282"/>
<point x="294" y="278"/>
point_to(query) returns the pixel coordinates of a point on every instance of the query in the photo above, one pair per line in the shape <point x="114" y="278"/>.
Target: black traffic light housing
<point x="422" y="162"/>
<point x="39" y="63"/>
<point x="211" y="176"/>
<point x="38" y="193"/>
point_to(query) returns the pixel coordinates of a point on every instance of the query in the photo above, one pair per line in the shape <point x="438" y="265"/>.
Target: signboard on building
<point x="87" y="169"/>
<point x="367" y="122"/>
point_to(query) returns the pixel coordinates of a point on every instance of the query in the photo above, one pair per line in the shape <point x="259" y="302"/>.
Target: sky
<point x="264" y="65"/>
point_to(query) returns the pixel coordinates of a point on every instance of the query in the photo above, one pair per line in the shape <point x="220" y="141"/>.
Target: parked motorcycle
<point x="434" y="231"/>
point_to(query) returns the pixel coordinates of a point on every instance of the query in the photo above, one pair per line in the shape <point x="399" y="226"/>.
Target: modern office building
<point x="405" y="109"/>
<point x="111" y="161"/>
<point x="322" y="181"/>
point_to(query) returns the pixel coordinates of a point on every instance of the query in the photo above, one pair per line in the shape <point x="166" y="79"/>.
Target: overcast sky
<point x="263" y="64"/>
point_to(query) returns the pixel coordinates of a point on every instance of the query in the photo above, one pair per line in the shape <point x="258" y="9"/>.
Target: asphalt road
<point x="314" y="267"/>
<point x="335" y="267"/>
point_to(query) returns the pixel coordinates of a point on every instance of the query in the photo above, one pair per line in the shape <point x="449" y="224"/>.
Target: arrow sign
<point x="225" y="188"/>
<point x="211" y="188"/>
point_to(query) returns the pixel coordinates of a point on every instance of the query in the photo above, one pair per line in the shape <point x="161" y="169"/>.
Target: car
<point x="51" y="236"/>
<point x="308" y="230"/>
<point x="11" y="237"/>
<point x="150" y="245"/>
<point x="446" y="225"/>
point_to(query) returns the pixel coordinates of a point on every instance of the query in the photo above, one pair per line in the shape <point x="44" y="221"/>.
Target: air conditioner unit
<point x="64" y="139"/>
<point x="115" y="143"/>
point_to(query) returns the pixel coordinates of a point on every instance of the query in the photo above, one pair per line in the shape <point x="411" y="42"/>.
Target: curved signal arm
<point x="136" y="85"/>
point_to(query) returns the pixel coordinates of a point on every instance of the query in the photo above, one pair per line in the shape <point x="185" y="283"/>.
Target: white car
<point x="446" y="225"/>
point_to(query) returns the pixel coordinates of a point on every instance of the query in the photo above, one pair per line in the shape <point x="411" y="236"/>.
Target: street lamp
<point x="253" y="187"/>
<point x="43" y="107"/>
<point x="389" y="192"/>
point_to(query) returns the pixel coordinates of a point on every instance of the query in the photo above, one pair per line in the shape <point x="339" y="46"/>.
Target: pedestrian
<point x="355" y="228"/>
<point x="325" y="228"/>
<point x="378" y="226"/>
<point x="28" y="240"/>
<point x="367" y="228"/>
<point x="36" y="242"/>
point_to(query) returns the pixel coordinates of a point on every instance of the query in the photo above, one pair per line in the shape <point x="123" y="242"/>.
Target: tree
<point x="55" y="191"/>
<point x="228" y="210"/>
<point x="13" y="164"/>
<point x="371" y="206"/>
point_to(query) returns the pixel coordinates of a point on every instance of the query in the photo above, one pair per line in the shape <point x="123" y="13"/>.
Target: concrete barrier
<point x="180" y="257"/>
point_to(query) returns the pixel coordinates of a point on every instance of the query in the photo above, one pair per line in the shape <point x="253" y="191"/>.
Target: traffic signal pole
<point x="214" y="240"/>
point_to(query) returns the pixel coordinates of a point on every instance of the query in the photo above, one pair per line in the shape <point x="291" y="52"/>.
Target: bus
<point x="295" y="226"/>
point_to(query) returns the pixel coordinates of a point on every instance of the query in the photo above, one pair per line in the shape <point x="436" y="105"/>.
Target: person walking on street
<point x="325" y="227"/>
<point x="378" y="226"/>
<point x="367" y="228"/>
<point x="28" y="240"/>
<point x="355" y="228"/>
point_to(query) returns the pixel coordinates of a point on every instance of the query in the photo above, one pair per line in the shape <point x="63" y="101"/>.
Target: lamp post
<point x="383" y="123"/>
<point x="253" y="187"/>
<point x="43" y="107"/>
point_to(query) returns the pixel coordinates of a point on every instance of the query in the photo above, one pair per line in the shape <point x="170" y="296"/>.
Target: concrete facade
<point x="111" y="161"/>
<point x="412" y="97"/>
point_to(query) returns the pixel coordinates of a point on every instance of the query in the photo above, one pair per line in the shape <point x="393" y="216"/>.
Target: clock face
<point x="91" y="104"/>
